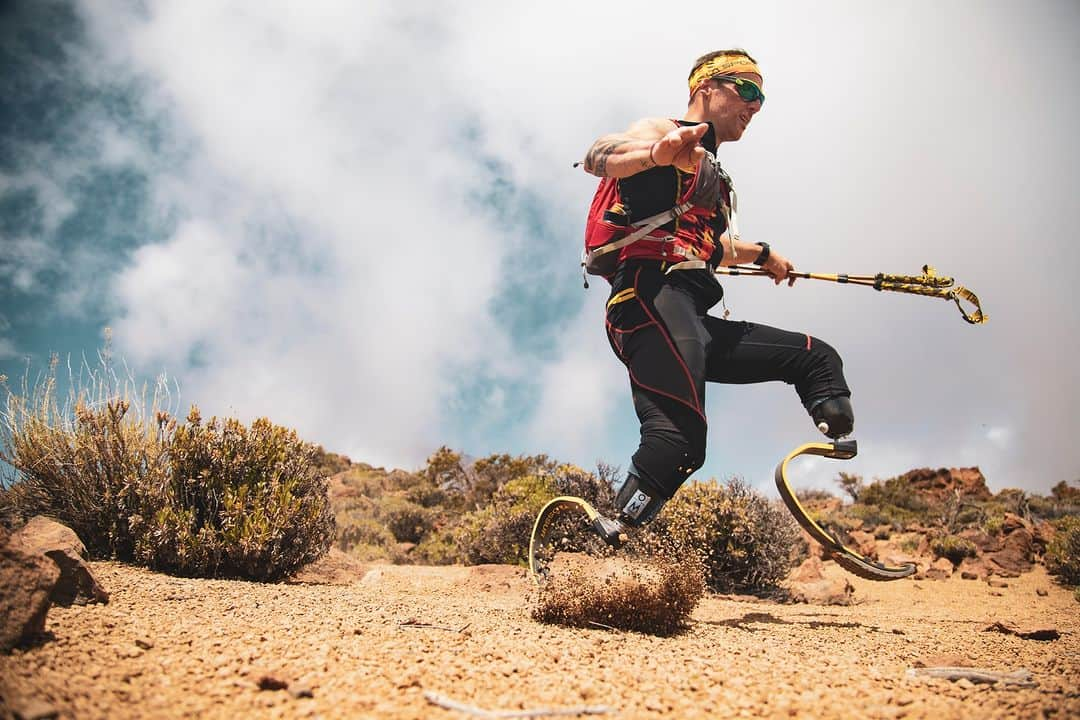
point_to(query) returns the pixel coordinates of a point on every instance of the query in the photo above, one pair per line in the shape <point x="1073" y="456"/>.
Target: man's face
<point x="727" y="111"/>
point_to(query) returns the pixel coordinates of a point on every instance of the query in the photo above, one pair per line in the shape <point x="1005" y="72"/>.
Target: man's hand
<point x="777" y="267"/>
<point x="680" y="147"/>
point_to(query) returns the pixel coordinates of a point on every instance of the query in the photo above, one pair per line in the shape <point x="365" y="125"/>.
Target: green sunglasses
<point x="748" y="89"/>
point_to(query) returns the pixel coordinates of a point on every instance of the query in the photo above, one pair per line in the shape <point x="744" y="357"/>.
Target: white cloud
<point x="335" y="269"/>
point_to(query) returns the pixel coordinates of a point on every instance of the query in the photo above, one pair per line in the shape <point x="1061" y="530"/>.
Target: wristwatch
<point x="764" y="256"/>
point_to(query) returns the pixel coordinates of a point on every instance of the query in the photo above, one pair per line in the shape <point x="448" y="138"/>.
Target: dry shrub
<point x="471" y="486"/>
<point x="328" y="463"/>
<point x="407" y="521"/>
<point x="1063" y="553"/>
<point x="218" y="499"/>
<point x="499" y="532"/>
<point x="745" y="541"/>
<point x="649" y="594"/>
<point x="954" y="548"/>
<point x="240" y="502"/>
<point x="366" y="539"/>
<point x="85" y="462"/>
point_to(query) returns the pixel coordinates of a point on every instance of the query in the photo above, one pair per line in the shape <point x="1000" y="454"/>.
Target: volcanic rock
<point x="974" y="569"/>
<point x="864" y="543"/>
<point x="983" y="542"/>
<point x="940" y="569"/>
<point x="937" y="485"/>
<point x="26" y="582"/>
<point x="1043" y="535"/>
<point x="76" y="585"/>
<point x="1017" y="554"/>
<point x="823" y="592"/>
<point x="811" y="570"/>
<point x="1013" y="522"/>
<point x="43" y="534"/>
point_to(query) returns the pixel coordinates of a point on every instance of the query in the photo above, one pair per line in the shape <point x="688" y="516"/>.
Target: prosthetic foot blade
<point x="545" y="535"/>
<point x="845" y="557"/>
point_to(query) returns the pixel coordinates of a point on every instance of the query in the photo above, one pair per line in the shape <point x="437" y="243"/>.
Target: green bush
<point x="437" y="548"/>
<point x="242" y="502"/>
<point x="993" y="524"/>
<point x="472" y="486"/>
<point x="499" y="532"/>
<point x="406" y="520"/>
<point x="1063" y="552"/>
<point x="366" y="539"/>
<point x="217" y="499"/>
<point x="954" y="548"/>
<point x="745" y="541"/>
<point x="328" y="463"/>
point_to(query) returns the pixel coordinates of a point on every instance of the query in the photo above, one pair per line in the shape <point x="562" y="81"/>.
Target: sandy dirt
<point x="168" y="647"/>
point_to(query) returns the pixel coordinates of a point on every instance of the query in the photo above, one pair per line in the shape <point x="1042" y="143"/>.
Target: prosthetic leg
<point x="638" y="503"/>
<point x="844" y="556"/>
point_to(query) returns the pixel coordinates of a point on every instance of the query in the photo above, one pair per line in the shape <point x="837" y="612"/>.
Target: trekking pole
<point x="929" y="284"/>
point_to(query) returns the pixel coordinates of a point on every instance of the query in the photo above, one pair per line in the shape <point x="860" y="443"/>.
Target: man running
<point x="663" y="173"/>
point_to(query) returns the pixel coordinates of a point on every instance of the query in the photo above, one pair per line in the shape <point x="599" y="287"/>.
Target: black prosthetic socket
<point x="834" y="416"/>
<point x="638" y="501"/>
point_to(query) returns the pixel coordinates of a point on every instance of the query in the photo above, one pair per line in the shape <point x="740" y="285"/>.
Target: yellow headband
<point x="722" y="65"/>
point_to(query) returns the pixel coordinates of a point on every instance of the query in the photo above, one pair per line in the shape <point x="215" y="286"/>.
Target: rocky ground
<point x="396" y="641"/>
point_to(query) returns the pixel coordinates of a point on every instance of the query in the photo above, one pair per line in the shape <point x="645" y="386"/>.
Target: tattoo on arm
<point x="597" y="158"/>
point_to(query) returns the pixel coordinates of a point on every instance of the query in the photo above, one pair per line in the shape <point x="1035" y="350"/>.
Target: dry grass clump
<point x="652" y="594"/>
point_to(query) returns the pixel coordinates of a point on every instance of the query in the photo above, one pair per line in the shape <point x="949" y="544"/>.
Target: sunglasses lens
<point x="750" y="92"/>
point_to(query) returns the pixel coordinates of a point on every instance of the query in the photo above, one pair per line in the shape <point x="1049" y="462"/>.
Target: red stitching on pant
<point x="674" y="351"/>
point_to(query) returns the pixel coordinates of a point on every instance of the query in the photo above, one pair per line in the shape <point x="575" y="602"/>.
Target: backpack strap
<point x="644" y="227"/>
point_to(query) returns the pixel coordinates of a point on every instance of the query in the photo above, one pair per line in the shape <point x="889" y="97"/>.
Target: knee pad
<point x="638" y="500"/>
<point x="834" y="416"/>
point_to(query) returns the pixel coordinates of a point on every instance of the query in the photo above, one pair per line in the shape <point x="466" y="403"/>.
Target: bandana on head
<point x="722" y="65"/>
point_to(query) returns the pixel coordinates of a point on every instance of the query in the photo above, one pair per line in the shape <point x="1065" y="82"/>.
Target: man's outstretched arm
<point x="646" y="144"/>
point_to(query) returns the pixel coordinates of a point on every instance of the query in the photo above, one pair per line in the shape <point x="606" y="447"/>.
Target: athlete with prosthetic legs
<point x="662" y="220"/>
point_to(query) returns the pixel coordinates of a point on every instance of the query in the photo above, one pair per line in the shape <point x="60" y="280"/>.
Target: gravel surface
<point x="168" y="647"/>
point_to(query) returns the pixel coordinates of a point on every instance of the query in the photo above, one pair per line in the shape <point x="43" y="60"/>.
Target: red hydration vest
<point x="610" y="237"/>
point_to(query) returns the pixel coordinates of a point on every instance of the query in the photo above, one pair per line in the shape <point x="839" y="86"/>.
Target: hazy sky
<point x="361" y="220"/>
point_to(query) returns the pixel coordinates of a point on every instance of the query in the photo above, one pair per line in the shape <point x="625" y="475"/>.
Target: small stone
<point x="1027" y="633"/>
<point x="144" y="643"/>
<point x="301" y="690"/>
<point x="997" y="583"/>
<point x="1041" y="592"/>
<point x="271" y="682"/>
<point x="995" y="593"/>
<point x="968" y="575"/>
<point x="35" y="709"/>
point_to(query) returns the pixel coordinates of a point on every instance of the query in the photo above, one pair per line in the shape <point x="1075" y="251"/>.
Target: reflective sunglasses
<point x="748" y="89"/>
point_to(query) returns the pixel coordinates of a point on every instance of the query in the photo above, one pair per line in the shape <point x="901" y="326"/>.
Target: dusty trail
<point x="168" y="647"/>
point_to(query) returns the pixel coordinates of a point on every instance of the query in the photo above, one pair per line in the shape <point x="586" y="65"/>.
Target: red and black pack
<point x="607" y="222"/>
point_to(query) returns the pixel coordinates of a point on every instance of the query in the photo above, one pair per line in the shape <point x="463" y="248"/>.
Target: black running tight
<point x="658" y="326"/>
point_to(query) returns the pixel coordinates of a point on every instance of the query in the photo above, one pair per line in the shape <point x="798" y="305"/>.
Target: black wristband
<point x="764" y="256"/>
